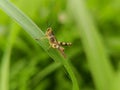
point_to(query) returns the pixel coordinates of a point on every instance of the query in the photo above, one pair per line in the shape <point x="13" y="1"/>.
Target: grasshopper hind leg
<point x="61" y="49"/>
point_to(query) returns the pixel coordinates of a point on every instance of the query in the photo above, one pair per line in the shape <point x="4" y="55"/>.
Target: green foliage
<point x="93" y="58"/>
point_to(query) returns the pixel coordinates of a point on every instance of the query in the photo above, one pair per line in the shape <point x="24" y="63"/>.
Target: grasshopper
<point x="54" y="43"/>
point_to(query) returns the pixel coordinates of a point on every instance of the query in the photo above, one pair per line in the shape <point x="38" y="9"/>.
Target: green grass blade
<point x="36" y="33"/>
<point x="116" y="84"/>
<point x="99" y="63"/>
<point x="46" y="71"/>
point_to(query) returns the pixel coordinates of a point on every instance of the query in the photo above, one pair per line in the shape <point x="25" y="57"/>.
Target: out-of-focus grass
<point x="5" y="65"/>
<point x="28" y="60"/>
<point x="98" y="60"/>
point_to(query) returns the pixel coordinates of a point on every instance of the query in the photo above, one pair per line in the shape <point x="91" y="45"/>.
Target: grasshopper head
<point x="49" y="32"/>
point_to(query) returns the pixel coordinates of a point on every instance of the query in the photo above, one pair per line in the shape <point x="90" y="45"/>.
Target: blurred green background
<point x="27" y="59"/>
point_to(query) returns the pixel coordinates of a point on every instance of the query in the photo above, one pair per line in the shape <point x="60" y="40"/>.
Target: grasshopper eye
<point x="49" y="29"/>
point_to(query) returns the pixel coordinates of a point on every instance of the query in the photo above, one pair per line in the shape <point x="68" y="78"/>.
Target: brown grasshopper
<point x="54" y="43"/>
